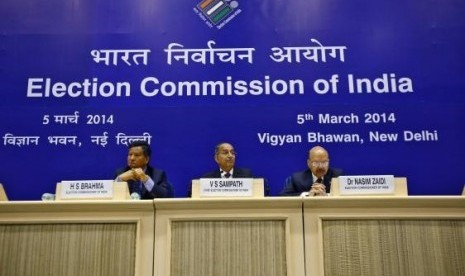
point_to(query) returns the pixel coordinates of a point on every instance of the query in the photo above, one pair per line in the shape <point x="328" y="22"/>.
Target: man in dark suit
<point x="225" y="157"/>
<point x="316" y="180"/>
<point x="143" y="179"/>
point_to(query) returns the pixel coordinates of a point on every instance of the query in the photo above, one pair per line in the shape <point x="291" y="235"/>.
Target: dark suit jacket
<point x="162" y="187"/>
<point x="237" y="173"/>
<point x="302" y="181"/>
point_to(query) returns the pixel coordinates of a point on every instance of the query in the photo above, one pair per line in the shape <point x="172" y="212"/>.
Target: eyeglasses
<point x="319" y="164"/>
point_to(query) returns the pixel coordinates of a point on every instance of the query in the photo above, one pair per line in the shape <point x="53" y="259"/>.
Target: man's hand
<point x="127" y="175"/>
<point x="140" y="175"/>
<point x="317" y="189"/>
<point x="134" y="174"/>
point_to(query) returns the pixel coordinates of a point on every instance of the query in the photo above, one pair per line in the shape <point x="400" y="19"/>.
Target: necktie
<point x="227" y="175"/>
<point x="319" y="180"/>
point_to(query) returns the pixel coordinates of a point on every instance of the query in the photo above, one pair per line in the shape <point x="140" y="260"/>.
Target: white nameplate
<point x="366" y="184"/>
<point x="234" y="187"/>
<point x="87" y="189"/>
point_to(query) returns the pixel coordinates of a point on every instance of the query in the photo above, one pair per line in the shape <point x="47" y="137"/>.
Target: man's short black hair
<point x="144" y="145"/>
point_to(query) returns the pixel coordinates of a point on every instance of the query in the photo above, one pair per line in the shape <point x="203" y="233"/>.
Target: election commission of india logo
<point x="217" y="13"/>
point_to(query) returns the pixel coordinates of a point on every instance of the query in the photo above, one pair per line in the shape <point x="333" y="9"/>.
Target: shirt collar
<point x="224" y="172"/>
<point x="316" y="178"/>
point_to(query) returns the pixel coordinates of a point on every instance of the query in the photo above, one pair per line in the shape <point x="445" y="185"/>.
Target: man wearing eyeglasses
<point x="316" y="180"/>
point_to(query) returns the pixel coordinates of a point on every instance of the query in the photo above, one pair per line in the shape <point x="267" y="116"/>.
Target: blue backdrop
<point x="270" y="77"/>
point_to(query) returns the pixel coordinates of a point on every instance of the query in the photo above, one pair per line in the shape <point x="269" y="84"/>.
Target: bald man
<point x="316" y="180"/>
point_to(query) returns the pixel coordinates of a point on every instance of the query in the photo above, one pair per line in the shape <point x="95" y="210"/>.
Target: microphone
<point x="135" y="196"/>
<point x="48" y="197"/>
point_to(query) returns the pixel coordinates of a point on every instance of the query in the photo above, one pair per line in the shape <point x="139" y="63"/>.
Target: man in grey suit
<point x="316" y="180"/>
